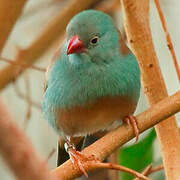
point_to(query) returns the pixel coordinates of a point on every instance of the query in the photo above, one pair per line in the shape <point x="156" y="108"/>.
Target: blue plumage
<point x="94" y="70"/>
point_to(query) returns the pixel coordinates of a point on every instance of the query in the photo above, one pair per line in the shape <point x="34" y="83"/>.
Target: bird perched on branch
<point x="94" y="84"/>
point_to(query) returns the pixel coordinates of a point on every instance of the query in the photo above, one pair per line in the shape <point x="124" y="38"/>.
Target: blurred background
<point x="35" y="18"/>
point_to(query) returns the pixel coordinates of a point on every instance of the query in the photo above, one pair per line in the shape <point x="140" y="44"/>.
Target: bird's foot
<point x="132" y="121"/>
<point x="79" y="159"/>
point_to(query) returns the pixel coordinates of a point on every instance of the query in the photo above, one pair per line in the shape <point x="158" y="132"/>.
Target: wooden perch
<point x="18" y="152"/>
<point x="114" y="139"/>
<point x="54" y="30"/>
<point x="9" y="12"/>
<point x="136" y="20"/>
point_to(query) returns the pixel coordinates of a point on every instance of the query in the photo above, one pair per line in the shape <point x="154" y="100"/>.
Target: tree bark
<point x="136" y="21"/>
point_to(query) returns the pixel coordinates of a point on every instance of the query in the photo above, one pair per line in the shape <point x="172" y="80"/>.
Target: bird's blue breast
<point x="72" y="82"/>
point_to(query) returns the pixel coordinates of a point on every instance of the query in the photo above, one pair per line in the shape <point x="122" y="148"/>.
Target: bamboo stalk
<point x="114" y="139"/>
<point x="136" y="17"/>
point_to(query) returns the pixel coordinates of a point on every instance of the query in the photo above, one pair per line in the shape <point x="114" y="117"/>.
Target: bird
<point x="93" y="85"/>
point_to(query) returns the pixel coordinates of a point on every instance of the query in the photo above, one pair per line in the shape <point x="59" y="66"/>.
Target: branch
<point x="53" y="151"/>
<point x="149" y="170"/>
<point x="9" y="12"/>
<point x="114" y="139"/>
<point x="168" y="39"/>
<point x="155" y="169"/>
<point x="113" y="158"/>
<point x="28" y="100"/>
<point x="136" y="16"/>
<point x="18" y="152"/>
<point x="145" y="172"/>
<point x="22" y="65"/>
<point x="22" y="96"/>
<point x="99" y="165"/>
<point x="54" y="30"/>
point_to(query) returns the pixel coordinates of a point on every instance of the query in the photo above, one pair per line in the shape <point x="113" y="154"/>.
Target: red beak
<point x="75" y="45"/>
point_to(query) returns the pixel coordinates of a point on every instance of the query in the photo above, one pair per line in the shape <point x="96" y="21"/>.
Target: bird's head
<point x="92" y="33"/>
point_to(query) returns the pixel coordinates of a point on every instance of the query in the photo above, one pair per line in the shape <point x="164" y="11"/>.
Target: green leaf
<point x="137" y="156"/>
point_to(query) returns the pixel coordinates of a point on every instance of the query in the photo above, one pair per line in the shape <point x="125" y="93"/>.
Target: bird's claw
<point x="131" y="120"/>
<point x="79" y="159"/>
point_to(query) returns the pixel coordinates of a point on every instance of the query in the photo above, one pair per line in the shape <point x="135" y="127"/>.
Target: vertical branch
<point x="9" y="12"/>
<point x="168" y="39"/>
<point x="28" y="100"/>
<point x="136" y="16"/>
<point x="113" y="158"/>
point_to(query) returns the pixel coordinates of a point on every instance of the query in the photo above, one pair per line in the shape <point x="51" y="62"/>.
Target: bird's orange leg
<point x="78" y="158"/>
<point x="131" y="120"/>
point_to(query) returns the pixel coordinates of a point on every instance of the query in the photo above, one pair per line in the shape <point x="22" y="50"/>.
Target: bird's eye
<point x="94" y="40"/>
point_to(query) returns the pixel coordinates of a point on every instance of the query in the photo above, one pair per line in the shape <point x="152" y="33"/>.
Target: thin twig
<point x="21" y="95"/>
<point x="51" y="154"/>
<point x="155" y="169"/>
<point x="120" y="168"/>
<point x="28" y="101"/>
<point x="168" y="39"/>
<point x="145" y="171"/>
<point x="103" y="147"/>
<point x="149" y="170"/>
<point x="22" y="64"/>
